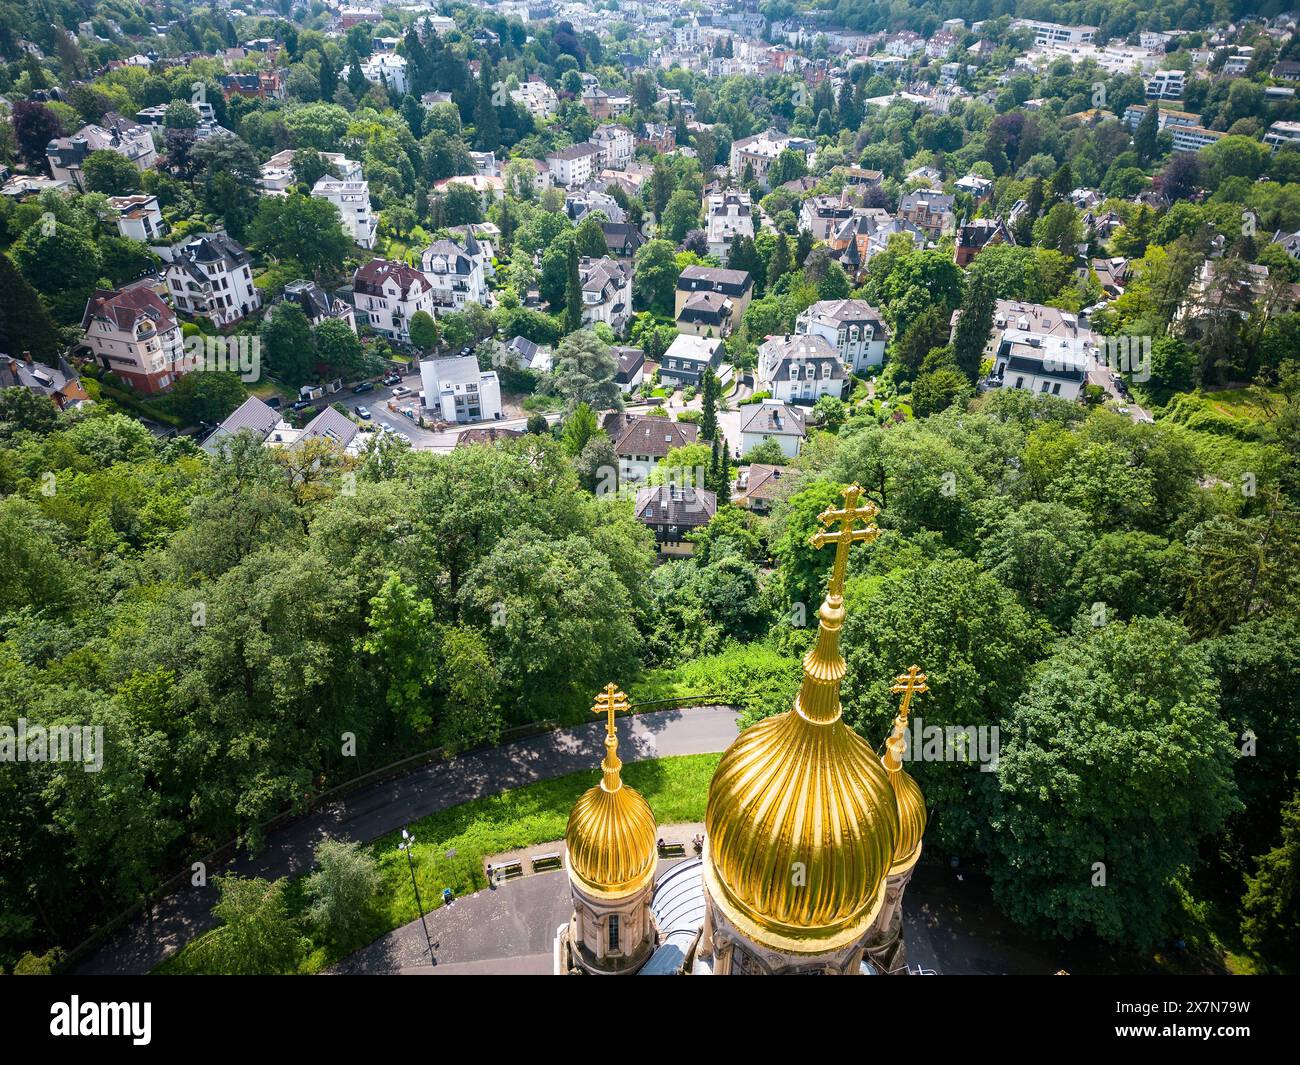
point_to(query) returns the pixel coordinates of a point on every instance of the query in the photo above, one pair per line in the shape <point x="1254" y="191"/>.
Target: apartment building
<point x="278" y="175"/>
<point x="929" y="210"/>
<point x="854" y="328"/>
<point x="211" y="275"/>
<point x="606" y="292"/>
<point x="800" y="368"/>
<point x="138" y="217"/>
<point x="352" y="198"/>
<point x="617" y="146"/>
<point x="757" y="153"/>
<point x="735" y="285"/>
<point x="574" y="165"/>
<point x="457" y="391"/>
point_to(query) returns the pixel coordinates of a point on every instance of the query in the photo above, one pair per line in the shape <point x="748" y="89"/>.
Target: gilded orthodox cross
<point x="910" y="683"/>
<point x="844" y="537"/>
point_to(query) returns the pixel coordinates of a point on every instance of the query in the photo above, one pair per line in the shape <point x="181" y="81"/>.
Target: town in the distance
<point x="649" y="487"/>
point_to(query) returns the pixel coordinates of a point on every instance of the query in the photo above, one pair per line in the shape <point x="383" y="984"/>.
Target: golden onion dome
<point x="611" y="835"/>
<point x="907" y="792"/>
<point x="802" y="823"/>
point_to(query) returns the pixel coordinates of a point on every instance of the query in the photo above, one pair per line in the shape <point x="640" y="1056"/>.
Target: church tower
<point x="802" y="824"/>
<point x="611" y="855"/>
<point x="885" y="946"/>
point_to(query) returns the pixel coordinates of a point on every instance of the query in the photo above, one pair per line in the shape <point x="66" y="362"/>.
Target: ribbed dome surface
<point x="793" y="794"/>
<point x="612" y="839"/>
<point x="911" y="819"/>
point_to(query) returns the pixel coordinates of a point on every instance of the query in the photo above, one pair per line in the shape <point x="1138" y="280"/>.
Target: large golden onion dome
<point x="802" y="823"/>
<point x="907" y="792"/>
<point x="611" y="835"/>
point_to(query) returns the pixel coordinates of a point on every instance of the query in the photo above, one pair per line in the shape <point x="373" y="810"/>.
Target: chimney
<point x="27" y="357"/>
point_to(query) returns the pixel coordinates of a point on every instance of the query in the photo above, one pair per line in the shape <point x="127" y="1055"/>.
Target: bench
<point x="506" y="871"/>
<point x="672" y="850"/>
<point x="546" y="861"/>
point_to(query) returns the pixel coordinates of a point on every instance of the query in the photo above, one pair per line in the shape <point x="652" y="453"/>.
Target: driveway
<point x="387" y="806"/>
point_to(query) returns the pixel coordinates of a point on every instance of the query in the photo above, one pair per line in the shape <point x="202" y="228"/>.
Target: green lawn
<point x="451" y="846"/>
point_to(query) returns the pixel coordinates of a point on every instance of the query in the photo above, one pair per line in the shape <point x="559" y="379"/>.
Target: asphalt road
<point x="375" y="811"/>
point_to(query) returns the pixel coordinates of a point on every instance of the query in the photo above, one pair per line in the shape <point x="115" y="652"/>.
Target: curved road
<point x="387" y="806"/>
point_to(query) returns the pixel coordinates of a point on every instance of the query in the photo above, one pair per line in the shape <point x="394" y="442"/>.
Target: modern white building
<point x="456" y="273"/>
<point x="1053" y="33"/>
<point x="138" y="217"/>
<point x="278" y="176"/>
<point x="853" y="328"/>
<point x="537" y="98"/>
<point x="212" y="275"/>
<point x="352" y="198"/>
<point x="457" y="391"/>
<point x="388" y="294"/>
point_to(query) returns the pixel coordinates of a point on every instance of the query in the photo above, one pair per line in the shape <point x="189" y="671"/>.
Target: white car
<point x="400" y="391"/>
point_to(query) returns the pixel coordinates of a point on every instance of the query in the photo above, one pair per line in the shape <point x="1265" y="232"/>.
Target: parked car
<point x="393" y="379"/>
<point x="400" y="391"/>
<point x="300" y="404"/>
<point x="363" y="412"/>
<point x="365" y="386"/>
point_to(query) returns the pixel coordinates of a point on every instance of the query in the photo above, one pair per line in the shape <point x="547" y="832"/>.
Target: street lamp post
<point x="406" y="846"/>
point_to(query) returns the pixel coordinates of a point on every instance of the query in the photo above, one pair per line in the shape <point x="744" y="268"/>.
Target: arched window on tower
<point x="613" y="933"/>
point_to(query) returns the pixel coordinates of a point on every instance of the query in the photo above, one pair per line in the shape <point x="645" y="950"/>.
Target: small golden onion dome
<point x="801" y="825"/>
<point x="911" y="820"/>
<point x="907" y="792"/>
<point x="611" y="835"/>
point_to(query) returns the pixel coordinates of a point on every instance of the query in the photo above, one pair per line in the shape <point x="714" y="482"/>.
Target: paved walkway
<point x="385" y="807"/>
<point x="952" y="927"/>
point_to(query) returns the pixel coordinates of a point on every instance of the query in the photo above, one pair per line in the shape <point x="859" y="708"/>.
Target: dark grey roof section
<point x="678" y="907"/>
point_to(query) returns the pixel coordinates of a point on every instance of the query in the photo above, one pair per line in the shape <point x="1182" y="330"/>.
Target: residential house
<point x="269" y="427"/>
<point x="617" y="146"/>
<point x="760" y="486"/>
<point x="113" y="133"/>
<point x="640" y="441"/>
<point x="318" y="305"/>
<point x="929" y="210"/>
<point x="673" y="512"/>
<point x="388" y="293"/>
<point x="623" y="239"/>
<point x="606" y="292"/>
<point x="457" y="391"/>
<point x="800" y="368"/>
<point x="687" y="358"/>
<point x="133" y="334"/>
<point x="536" y="97"/>
<point x="976" y="235"/>
<point x="602" y="106"/>
<point x="60" y="384"/>
<point x="456" y="273"/>
<point x="757" y="153"/>
<point x="1040" y="348"/>
<point x="735" y="285"/>
<point x="658" y="137"/>
<point x="631" y="369"/>
<point x="211" y="275"/>
<point x="853" y="327"/>
<point x="387" y="69"/>
<point x="824" y="215"/>
<point x="772" y="420"/>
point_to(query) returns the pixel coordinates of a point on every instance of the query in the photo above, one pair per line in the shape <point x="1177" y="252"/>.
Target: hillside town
<point x="454" y="358"/>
